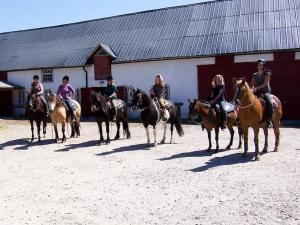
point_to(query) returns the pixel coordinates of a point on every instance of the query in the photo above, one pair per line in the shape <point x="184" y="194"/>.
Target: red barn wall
<point x="284" y="82"/>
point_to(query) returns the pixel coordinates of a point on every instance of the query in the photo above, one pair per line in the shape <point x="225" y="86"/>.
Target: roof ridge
<point x="121" y="15"/>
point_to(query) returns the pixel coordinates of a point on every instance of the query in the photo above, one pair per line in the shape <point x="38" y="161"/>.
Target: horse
<point x="36" y="113"/>
<point x="251" y="114"/>
<point x="102" y="110"/>
<point x="210" y="121"/>
<point x="59" y="114"/>
<point x="151" y="114"/>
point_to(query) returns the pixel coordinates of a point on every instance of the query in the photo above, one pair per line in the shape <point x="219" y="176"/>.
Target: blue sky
<point x="26" y="14"/>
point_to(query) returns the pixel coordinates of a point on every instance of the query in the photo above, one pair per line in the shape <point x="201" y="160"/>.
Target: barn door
<point x="6" y="103"/>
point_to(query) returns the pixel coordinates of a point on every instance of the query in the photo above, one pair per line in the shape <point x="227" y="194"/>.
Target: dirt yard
<point x="125" y="182"/>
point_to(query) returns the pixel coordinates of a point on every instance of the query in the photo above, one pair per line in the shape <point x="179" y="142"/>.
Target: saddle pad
<point x="120" y="104"/>
<point x="229" y="107"/>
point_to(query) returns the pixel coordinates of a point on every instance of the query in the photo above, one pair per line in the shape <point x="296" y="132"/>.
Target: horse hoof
<point x="275" y="149"/>
<point x="228" y="147"/>
<point x="117" y="137"/>
<point x="162" y="142"/>
<point x="265" y="150"/>
<point x="239" y="147"/>
<point x="208" y="150"/>
<point x="257" y="158"/>
<point x="217" y="150"/>
<point x="155" y="145"/>
<point x="31" y="140"/>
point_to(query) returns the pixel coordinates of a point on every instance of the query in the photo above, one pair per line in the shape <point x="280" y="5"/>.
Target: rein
<point x="248" y="106"/>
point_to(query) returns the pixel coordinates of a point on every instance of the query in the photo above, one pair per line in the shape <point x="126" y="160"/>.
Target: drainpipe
<point x="86" y="76"/>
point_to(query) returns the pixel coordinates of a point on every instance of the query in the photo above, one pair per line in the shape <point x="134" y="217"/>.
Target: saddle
<point x="229" y="108"/>
<point x="263" y="101"/>
<point x="74" y="105"/>
<point x="120" y="104"/>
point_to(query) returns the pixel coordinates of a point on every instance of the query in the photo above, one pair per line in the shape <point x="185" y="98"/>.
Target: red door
<point x="6" y="103"/>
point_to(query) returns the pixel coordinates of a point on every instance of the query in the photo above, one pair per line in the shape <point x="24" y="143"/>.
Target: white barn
<point x="133" y="48"/>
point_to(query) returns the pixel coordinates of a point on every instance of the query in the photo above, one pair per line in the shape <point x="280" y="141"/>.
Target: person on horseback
<point x="37" y="89"/>
<point x="66" y="92"/>
<point x="261" y="87"/>
<point x="157" y="91"/>
<point x="218" y="90"/>
<point x="110" y="92"/>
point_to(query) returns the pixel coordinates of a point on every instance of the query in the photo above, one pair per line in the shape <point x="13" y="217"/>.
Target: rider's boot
<point x="166" y="115"/>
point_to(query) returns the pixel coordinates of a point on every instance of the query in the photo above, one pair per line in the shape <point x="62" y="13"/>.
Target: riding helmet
<point x="36" y="77"/>
<point x="261" y="61"/>
<point x="66" y="78"/>
<point x="109" y="78"/>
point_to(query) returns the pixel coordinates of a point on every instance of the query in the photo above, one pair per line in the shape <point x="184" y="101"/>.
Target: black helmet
<point x="109" y="78"/>
<point x="36" y="77"/>
<point x="261" y="61"/>
<point x="66" y="78"/>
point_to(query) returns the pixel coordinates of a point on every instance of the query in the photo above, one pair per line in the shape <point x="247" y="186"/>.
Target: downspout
<point x="86" y="76"/>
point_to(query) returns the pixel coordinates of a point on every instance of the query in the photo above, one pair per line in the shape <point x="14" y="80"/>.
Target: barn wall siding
<point x="285" y="78"/>
<point x="181" y="75"/>
<point x="253" y="57"/>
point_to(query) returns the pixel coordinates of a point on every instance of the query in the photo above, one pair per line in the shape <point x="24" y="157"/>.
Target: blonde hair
<point x="214" y="83"/>
<point x="161" y="80"/>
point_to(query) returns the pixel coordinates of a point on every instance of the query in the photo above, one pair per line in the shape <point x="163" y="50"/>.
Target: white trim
<point x="253" y="58"/>
<point x="297" y="55"/>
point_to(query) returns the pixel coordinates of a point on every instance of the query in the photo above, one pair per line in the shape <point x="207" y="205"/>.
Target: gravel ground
<point x="126" y="182"/>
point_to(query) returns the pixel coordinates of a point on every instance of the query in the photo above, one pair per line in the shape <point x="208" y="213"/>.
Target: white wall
<point x="180" y="75"/>
<point x="253" y="57"/>
<point x="297" y="56"/>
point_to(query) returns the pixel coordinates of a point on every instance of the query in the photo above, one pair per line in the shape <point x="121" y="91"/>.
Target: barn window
<point x="128" y="94"/>
<point x="47" y="75"/>
<point x="21" y="97"/>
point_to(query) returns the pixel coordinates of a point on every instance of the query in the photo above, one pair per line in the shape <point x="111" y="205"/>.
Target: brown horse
<point x="59" y="114"/>
<point x="36" y="113"/>
<point x="251" y="114"/>
<point x="210" y="121"/>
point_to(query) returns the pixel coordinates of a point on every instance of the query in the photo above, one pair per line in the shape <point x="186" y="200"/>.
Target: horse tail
<point x="126" y="131"/>
<point x="178" y="126"/>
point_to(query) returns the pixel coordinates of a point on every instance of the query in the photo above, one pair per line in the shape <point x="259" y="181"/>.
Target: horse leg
<point x="245" y="133"/>
<point x="63" y="128"/>
<point x="231" y="130"/>
<point x="44" y="127"/>
<point x="126" y="128"/>
<point x="154" y="134"/>
<point x="172" y="129"/>
<point x="240" y="137"/>
<point x="256" y="132"/>
<point x="148" y="135"/>
<point x="265" y="150"/>
<point x="32" y="130"/>
<point x="38" y="124"/>
<point x="165" y="131"/>
<point x="77" y="128"/>
<point x="209" y="140"/>
<point x="276" y="126"/>
<point x="217" y="129"/>
<point x="72" y="129"/>
<point x="100" y="132"/>
<point x="56" y="133"/>
<point x="117" y="137"/>
<point x="107" y="132"/>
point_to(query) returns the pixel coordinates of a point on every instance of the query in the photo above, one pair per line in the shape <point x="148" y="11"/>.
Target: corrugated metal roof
<point x="203" y="29"/>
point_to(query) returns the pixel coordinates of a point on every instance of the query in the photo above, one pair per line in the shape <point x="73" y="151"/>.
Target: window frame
<point x="47" y="72"/>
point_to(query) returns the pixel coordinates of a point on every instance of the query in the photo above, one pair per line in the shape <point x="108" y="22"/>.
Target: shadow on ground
<point x="138" y="147"/>
<point x="226" y="160"/>
<point x="24" y="144"/>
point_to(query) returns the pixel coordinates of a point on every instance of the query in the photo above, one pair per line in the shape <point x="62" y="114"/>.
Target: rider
<point x="218" y="90"/>
<point x="110" y="91"/>
<point x="37" y="89"/>
<point x="158" y="90"/>
<point x="66" y="91"/>
<point x="261" y="86"/>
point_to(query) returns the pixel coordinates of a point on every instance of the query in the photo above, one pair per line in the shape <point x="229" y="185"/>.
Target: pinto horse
<point x="102" y="109"/>
<point x="151" y="115"/>
<point x="210" y="121"/>
<point x="251" y="114"/>
<point x="36" y="113"/>
<point x="59" y="114"/>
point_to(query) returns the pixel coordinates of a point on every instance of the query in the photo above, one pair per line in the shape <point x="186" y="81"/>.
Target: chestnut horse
<point x="59" y="114"/>
<point x="251" y="114"/>
<point x="210" y="121"/>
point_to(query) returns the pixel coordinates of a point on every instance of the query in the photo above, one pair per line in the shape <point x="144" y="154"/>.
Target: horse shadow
<point x="79" y="145"/>
<point x="197" y="153"/>
<point x="226" y="160"/>
<point x="23" y="144"/>
<point x="138" y="147"/>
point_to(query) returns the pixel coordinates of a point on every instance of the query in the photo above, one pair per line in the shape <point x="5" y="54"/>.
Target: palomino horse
<point x="251" y="114"/>
<point x="101" y="108"/>
<point x="36" y="113"/>
<point x="151" y="115"/>
<point x="59" y="114"/>
<point x="210" y="121"/>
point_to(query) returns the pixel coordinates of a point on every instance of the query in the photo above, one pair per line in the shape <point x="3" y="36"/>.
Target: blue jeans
<point x="70" y="107"/>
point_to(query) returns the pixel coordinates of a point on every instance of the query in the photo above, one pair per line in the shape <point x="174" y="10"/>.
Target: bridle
<point x="237" y="97"/>
<point x="139" y="102"/>
<point x="38" y="103"/>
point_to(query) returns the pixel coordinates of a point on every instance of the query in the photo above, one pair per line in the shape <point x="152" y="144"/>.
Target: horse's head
<point x="97" y="101"/>
<point x="34" y="102"/>
<point x="138" y="99"/>
<point x="52" y="101"/>
<point x="192" y="109"/>
<point x="241" y="88"/>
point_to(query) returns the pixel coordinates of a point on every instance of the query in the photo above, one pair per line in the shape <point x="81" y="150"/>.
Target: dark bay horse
<point x="151" y="115"/>
<point x="210" y="121"/>
<point x="251" y="114"/>
<point x="36" y="113"/>
<point x="102" y="110"/>
<point x="59" y="114"/>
